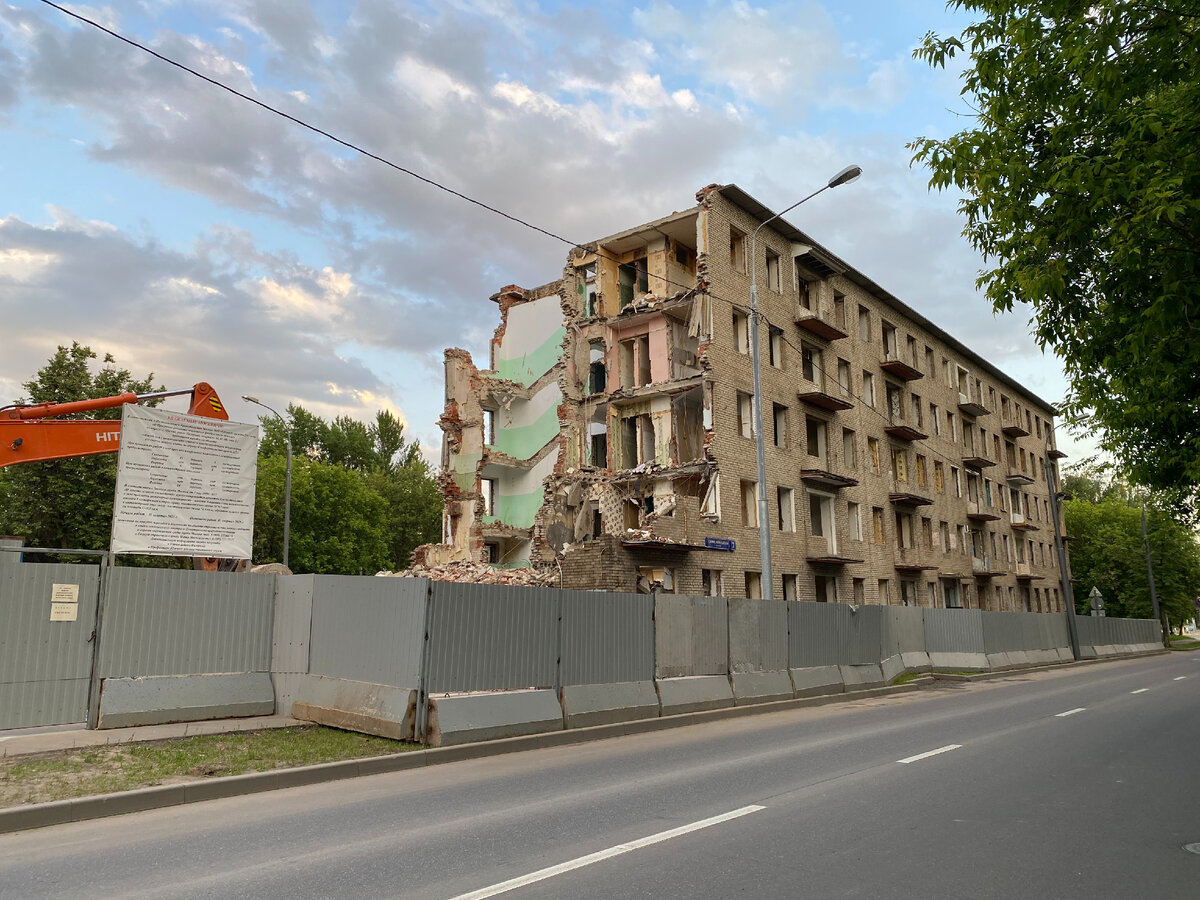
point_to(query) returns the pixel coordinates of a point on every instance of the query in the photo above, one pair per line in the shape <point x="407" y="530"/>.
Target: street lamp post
<point x="287" y="478"/>
<point x="848" y="174"/>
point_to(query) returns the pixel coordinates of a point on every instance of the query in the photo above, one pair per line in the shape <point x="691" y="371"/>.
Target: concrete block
<point x="817" y="680"/>
<point x="694" y="692"/>
<point x="157" y="699"/>
<point x="761" y="687"/>
<point x="915" y="661"/>
<point x="380" y="709"/>
<point x="585" y="705"/>
<point x="1087" y="652"/>
<point x="288" y="687"/>
<point x="966" y="661"/>
<point x="1042" y="657"/>
<point x="998" y="661"/>
<point x="856" y="678"/>
<point x="463" y="718"/>
<point x="892" y="668"/>
<point x="1018" y="657"/>
<point x="1064" y="654"/>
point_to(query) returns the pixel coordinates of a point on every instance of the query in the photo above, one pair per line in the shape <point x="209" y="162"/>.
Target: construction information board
<point x="185" y="485"/>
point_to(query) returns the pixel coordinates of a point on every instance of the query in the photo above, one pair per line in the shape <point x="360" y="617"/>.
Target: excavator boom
<point x="31" y="434"/>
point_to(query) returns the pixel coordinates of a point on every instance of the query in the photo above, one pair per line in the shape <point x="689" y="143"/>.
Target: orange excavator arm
<point x="32" y="434"/>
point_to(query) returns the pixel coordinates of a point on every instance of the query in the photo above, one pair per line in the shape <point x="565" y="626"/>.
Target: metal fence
<point x="691" y="636"/>
<point x="1105" y="631"/>
<point x="368" y="629"/>
<point x="953" y="630"/>
<point x="834" y="634"/>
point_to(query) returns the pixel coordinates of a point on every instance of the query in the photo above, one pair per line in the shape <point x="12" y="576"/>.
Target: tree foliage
<point x="1105" y="520"/>
<point x="382" y="498"/>
<point x="68" y="503"/>
<point x="1081" y="188"/>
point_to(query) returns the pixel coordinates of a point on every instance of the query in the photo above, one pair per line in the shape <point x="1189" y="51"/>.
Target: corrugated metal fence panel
<point x="757" y="635"/>
<point x="292" y="623"/>
<point x="1056" y="632"/>
<point x="44" y="665"/>
<point x="607" y="637"/>
<point x="178" y="622"/>
<point x="366" y="628"/>
<point x="954" y="631"/>
<point x="1001" y="631"/>
<point x="1107" y="630"/>
<point x="673" y="636"/>
<point x="487" y="637"/>
<point x="905" y="630"/>
<point x="710" y="635"/>
<point x="830" y="634"/>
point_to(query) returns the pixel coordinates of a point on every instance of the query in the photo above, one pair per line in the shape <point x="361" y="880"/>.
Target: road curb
<point x="81" y="809"/>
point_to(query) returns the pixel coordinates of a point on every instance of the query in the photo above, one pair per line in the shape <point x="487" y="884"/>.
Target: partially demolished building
<point x="612" y="435"/>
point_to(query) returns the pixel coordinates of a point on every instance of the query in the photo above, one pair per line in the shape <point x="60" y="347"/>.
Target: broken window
<point x="489" y="426"/>
<point x="904" y="534"/>
<point x="825" y="587"/>
<point x="900" y="466"/>
<point x="920" y="470"/>
<point x="773" y="277"/>
<point x="877" y="524"/>
<point x="633" y="279"/>
<point x="587" y="289"/>
<point x="789" y="588"/>
<point x="599" y="450"/>
<point x="750" y="504"/>
<point x="864" y="324"/>
<point x="868" y="388"/>
<point x="775" y="347"/>
<point x="854" y="519"/>
<point x="785" y="499"/>
<point x="844" y="377"/>
<point x="849" y="449"/>
<point x="873" y="451"/>
<point x="754" y="585"/>
<point x="687" y="416"/>
<point x="939" y="483"/>
<point x="487" y="488"/>
<point x="737" y="249"/>
<point x="597" y="373"/>
<point x="839" y="310"/>
<point x="741" y="332"/>
<point x="711" y="504"/>
<point x="804" y="292"/>
<point x="815" y="433"/>
<point x="745" y="412"/>
<point x="891" y="349"/>
<point x="917" y="417"/>
<point x="821" y="521"/>
<point x="710" y="583"/>
<point x="810" y="364"/>
<point x="656" y="579"/>
<point x="895" y="408"/>
<point x="780" y="420"/>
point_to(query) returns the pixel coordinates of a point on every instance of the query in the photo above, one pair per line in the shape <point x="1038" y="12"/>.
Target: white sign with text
<point x="185" y="485"/>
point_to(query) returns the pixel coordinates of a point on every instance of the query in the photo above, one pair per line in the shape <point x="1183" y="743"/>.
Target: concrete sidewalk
<point x="24" y="741"/>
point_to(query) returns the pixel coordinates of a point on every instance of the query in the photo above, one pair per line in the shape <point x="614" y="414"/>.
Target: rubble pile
<point x="480" y="573"/>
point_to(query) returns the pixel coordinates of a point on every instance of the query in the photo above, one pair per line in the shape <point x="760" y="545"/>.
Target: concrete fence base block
<point x="998" y="661"/>
<point x="1065" y="654"/>
<point x="892" y="668"/>
<point x="1087" y="652"/>
<point x="1018" y="657"/>
<point x="464" y="718"/>
<point x="915" y="661"/>
<point x="159" y="699"/>
<point x="1042" y="657"/>
<point x="817" y="681"/>
<point x="857" y="678"/>
<point x="380" y="709"/>
<point x="761" y="687"/>
<point x="601" y="704"/>
<point x="694" y="693"/>
<point x="966" y="661"/>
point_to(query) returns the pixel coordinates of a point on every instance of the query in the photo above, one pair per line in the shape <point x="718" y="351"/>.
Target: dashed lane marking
<point x="929" y="753"/>
<point x="1070" y="712"/>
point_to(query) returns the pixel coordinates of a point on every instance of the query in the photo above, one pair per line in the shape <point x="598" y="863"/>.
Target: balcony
<point x="982" y="568"/>
<point x="903" y="498"/>
<point x="818" y="326"/>
<point x="831" y="561"/>
<point x="909" y="559"/>
<point x="902" y="432"/>
<point x="1023" y="571"/>
<point x="898" y="368"/>
<point x="977" y="461"/>
<point x="824" y="401"/>
<point x="977" y="513"/>
<point x="1020" y="523"/>
<point x="969" y="407"/>
<point x="1012" y="427"/>
<point x="1016" y="477"/>
<point x="1055" y="453"/>
<point x="825" y="479"/>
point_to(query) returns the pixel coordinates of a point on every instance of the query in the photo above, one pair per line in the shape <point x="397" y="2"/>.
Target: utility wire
<point x="441" y="187"/>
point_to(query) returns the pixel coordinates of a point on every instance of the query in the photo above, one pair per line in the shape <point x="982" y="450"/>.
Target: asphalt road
<point x="1023" y="800"/>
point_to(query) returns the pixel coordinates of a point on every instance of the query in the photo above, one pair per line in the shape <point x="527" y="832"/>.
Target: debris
<point x="468" y="572"/>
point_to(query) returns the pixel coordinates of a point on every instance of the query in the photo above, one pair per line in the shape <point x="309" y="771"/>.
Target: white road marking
<point x="1070" y="712"/>
<point x="1180" y="678"/>
<point x="929" y="753"/>
<point x="542" y="874"/>
<point x="1140" y="691"/>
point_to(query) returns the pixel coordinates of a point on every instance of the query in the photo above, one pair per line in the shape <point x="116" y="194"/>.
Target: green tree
<point x="68" y="502"/>
<point x="339" y="524"/>
<point x="1081" y="188"/>
<point x="384" y="462"/>
<point x="1107" y="552"/>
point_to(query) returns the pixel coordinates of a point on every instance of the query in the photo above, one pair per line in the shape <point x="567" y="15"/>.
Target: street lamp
<point x="848" y="174"/>
<point x="1060" y="547"/>
<point x="287" y="478"/>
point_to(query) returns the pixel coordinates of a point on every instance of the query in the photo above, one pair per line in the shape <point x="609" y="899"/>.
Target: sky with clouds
<point x="196" y="236"/>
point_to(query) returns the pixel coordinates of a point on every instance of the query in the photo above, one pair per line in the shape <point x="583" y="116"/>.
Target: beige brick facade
<point x="900" y="466"/>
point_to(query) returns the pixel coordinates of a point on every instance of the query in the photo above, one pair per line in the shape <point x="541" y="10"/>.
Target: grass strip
<point x="86" y="771"/>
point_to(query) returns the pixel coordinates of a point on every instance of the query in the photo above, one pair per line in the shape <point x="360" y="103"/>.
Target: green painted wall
<point x="516" y="510"/>
<point x="527" y="369"/>
<point x="464" y="470"/>
<point x="525" y="441"/>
